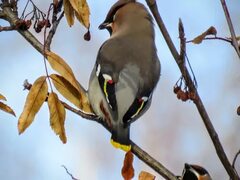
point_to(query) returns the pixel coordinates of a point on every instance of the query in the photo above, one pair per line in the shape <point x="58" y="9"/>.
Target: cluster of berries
<point x="38" y="24"/>
<point x="184" y="95"/>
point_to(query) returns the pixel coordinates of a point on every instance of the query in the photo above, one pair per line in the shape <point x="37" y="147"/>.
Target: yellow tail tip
<point x="124" y="147"/>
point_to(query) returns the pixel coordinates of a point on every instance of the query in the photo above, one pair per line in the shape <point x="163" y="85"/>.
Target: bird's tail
<point x="120" y="138"/>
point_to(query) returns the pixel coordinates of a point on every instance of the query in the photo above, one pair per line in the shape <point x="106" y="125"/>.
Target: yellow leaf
<point x="145" y="176"/>
<point x="35" y="98"/>
<point x="6" y="108"/>
<point x="69" y="12"/>
<point x="81" y="11"/>
<point x="66" y="89"/>
<point x="200" y="38"/>
<point x="59" y="65"/>
<point x="75" y="4"/>
<point x="57" y="116"/>
<point x="2" y="97"/>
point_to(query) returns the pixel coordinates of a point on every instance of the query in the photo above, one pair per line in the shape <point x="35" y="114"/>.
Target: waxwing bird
<point x="194" y="172"/>
<point x="126" y="71"/>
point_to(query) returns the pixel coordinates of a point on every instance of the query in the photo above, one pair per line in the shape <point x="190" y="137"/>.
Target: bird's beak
<point x="104" y="25"/>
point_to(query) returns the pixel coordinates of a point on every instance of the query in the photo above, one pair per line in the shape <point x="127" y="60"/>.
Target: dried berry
<point x="47" y="23"/>
<point x="192" y="96"/>
<point x="21" y="24"/>
<point x="238" y="110"/>
<point x="176" y="89"/>
<point x="28" y="23"/>
<point x="38" y="30"/>
<point x="184" y="96"/>
<point x="179" y="94"/>
<point x="41" y="24"/>
<point x="87" y="36"/>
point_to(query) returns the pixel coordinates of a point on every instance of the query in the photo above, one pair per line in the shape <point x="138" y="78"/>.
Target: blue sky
<point x="171" y="131"/>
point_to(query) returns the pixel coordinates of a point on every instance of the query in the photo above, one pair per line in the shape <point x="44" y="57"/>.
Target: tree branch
<point x="198" y="102"/>
<point x="6" y="28"/>
<point x="52" y="31"/>
<point x="12" y="18"/>
<point x="73" y="178"/>
<point x="231" y="28"/>
<point x="235" y="159"/>
<point x="158" y="167"/>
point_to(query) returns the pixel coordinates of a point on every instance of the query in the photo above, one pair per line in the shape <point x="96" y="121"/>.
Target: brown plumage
<point x="127" y="68"/>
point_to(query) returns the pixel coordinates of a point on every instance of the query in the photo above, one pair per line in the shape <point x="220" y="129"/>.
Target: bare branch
<point x="73" y="178"/>
<point x="235" y="159"/>
<point x="12" y="18"/>
<point x="198" y="102"/>
<point x="7" y="28"/>
<point x="231" y="28"/>
<point x="52" y="31"/>
<point x="182" y="41"/>
<point x="141" y="154"/>
<point x="91" y="117"/>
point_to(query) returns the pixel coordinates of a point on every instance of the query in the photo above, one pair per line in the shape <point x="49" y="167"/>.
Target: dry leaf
<point x="35" y="98"/>
<point x="85" y="105"/>
<point x="59" y="65"/>
<point x="66" y="89"/>
<point x="145" y="176"/>
<point x="127" y="169"/>
<point x="81" y="11"/>
<point x="210" y="31"/>
<point x="2" y="97"/>
<point x="69" y="12"/>
<point x="57" y="116"/>
<point x="6" y="108"/>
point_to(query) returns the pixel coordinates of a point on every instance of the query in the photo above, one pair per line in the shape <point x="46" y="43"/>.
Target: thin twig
<point x="214" y="38"/>
<point x="198" y="102"/>
<point x="55" y="22"/>
<point x="73" y="178"/>
<point x="183" y="55"/>
<point x="182" y="41"/>
<point x="91" y="117"/>
<point x="235" y="159"/>
<point x="230" y="26"/>
<point x="52" y="31"/>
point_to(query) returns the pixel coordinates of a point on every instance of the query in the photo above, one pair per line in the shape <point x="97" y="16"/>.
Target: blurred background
<point x="171" y="131"/>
